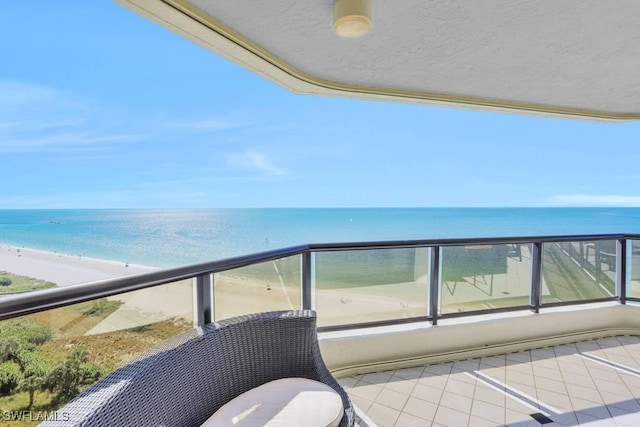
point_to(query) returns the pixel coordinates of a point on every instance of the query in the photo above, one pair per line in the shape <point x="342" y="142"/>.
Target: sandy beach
<point x="235" y="293"/>
<point x="138" y="308"/>
<point x="62" y="269"/>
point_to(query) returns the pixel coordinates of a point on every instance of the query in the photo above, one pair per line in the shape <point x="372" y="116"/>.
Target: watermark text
<point x="34" y="416"/>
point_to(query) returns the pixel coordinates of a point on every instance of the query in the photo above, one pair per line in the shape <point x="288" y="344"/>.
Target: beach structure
<point x="517" y="331"/>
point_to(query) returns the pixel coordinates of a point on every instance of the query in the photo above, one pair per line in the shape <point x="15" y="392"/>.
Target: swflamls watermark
<point x="34" y="416"/>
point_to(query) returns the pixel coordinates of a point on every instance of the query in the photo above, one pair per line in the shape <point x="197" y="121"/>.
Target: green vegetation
<point x="23" y="333"/>
<point x="22" y="366"/>
<point x="101" y="307"/>
<point x="10" y="283"/>
<point x="9" y="377"/>
<point x="355" y="269"/>
<point x="47" y="358"/>
<point x="35" y="372"/>
<point x="68" y="377"/>
<point x="27" y="370"/>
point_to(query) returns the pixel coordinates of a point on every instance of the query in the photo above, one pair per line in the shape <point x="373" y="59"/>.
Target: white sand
<point x="234" y="295"/>
<point x="139" y="308"/>
<point x="62" y="269"/>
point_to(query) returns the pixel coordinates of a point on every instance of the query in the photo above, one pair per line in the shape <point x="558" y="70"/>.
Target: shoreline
<point x="235" y="294"/>
<point x="63" y="269"/>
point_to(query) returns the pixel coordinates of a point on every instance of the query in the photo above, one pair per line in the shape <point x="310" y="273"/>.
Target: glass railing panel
<point x="578" y="271"/>
<point x="633" y="269"/>
<point x="47" y="358"/>
<point x="267" y="286"/>
<point x="484" y="277"/>
<point x="371" y="285"/>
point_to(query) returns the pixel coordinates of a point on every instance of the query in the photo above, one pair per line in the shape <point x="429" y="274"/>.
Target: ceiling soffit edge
<point x="190" y="22"/>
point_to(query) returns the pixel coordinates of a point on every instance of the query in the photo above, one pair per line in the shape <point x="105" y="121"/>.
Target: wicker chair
<point x="184" y="380"/>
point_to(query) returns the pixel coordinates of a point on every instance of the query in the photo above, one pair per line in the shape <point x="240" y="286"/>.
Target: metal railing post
<point x="16" y="305"/>
<point x="434" y="284"/>
<point x="621" y="270"/>
<point x="306" y="280"/>
<point x="536" y="276"/>
<point x="203" y="305"/>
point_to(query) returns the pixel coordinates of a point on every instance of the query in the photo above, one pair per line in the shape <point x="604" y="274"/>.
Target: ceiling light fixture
<point x="352" y="18"/>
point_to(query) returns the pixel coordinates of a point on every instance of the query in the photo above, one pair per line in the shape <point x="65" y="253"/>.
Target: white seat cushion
<point x="287" y="402"/>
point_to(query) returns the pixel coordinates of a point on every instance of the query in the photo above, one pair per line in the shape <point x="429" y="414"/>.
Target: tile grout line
<point x="504" y="403"/>
<point x="444" y="387"/>
<point x="410" y="393"/>
<point x="479" y="378"/>
<point x="515" y="394"/>
<point x="608" y="363"/>
<point x="612" y="365"/>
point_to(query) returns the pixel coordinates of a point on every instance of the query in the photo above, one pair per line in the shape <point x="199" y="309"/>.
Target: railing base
<point x="403" y="346"/>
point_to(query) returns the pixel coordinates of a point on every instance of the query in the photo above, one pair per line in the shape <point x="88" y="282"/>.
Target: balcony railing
<point x="93" y="328"/>
<point x="380" y="283"/>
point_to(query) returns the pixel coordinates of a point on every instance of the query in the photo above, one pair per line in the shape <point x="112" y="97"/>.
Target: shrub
<point x="69" y="377"/>
<point x="5" y="281"/>
<point x="9" y="348"/>
<point x="22" y="367"/>
<point x="10" y="377"/>
<point x="101" y="307"/>
<point x="33" y="363"/>
<point x="26" y="331"/>
<point x="35" y="370"/>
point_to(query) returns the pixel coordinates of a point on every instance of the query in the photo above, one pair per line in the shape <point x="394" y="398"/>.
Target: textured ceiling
<point x="575" y="57"/>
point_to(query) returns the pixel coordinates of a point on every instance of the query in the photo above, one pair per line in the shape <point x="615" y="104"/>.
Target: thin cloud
<point x="256" y="160"/>
<point x="595" y="200"/>
<point x="117" y="198"/>
<point x="42" y="119"/>
<point x="124" y="137"/>
<point x="10" y="125"/>
<point x="67" y="142"/>
<point x="17" y="94"/>
<point x="33" y="126"/>
<point x="207" y="125"/>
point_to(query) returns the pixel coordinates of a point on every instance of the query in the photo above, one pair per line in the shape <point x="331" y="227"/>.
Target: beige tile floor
<point x="592" y="383"/>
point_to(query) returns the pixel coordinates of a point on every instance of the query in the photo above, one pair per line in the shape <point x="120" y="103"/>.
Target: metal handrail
<point x="327" y="247"/>
<point x="36" y="301"/>
<point x="45" y="299"/>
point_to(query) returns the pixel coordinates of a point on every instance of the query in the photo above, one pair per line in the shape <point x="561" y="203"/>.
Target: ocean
<point x="173" y="237"/>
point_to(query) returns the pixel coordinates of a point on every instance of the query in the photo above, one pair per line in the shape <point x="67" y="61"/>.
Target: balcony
<point x="593" y="382"/>
<point x="477" y="322"/>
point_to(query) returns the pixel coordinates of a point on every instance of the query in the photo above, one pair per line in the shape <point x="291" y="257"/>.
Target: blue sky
<point x="101" y="108"/>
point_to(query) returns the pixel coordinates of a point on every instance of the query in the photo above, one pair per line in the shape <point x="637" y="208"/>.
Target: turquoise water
<point x="174" y="237"/>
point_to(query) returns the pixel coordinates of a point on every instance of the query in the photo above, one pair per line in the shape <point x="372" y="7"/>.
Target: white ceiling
<point x="568" y="57"/>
